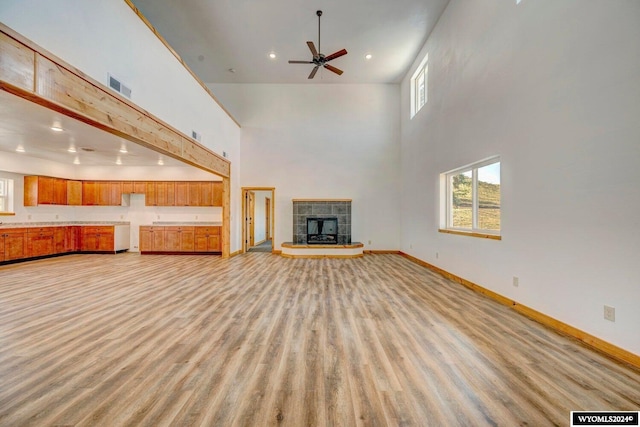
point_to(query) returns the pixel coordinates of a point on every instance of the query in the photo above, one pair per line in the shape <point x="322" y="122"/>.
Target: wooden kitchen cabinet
<point x="182" y="194"/>
<point x="89" y="193"/>
<point x="97" y="238"/>
<point x="74" y="193"/>
<point x="59" y="236"/>
<point x="151" y="238"/>
<point x="207" y="239"/>
<point x="72" y="239"/>
<point x="160" y="193"/>
<point x="217" y="193"/>
<point x="44" y="190"/>
<point x="179" y="239"/>
<point x="195" y="193"/>
<point x="40" y="241"/>
<point x="13" y="244"/>
<point x="134" y="187"/>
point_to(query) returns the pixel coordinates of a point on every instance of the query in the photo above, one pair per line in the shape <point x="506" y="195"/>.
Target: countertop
<point x="59" y="224"/>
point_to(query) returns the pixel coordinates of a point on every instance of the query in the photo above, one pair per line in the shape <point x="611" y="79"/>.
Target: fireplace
<point x="322" y="231"/>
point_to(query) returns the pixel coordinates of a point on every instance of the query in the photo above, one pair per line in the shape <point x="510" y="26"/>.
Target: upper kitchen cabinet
<point x="44" y="190"/>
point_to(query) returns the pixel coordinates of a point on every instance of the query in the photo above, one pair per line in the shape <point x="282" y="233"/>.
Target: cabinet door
<point x="206" y="193"/>
<point x="182" y="194"/>
<point x="139" y="187"/>
<point x="45" y="190"/>
<point x="59" y="191"/>
<point x="59" y="240"/>
<point x="217" y="193"/>
<point x="146" y="240"/>
<point x="151" y="198"/>
<point x="194" y="194"/>
<point x="165" y="193"/>
<point x="15" y="245"/>
<point x="71" y="239"/>
<point x="74" y="193"/>
<point x="213" y="243"/>
<point x="115" y="193"/>
<point x="171" y="239"/>
<point x="158" y="240"/>
<point x="104" y="193"/>
<point x="187" y="241"/>
<point x="89" y="193"/>
<point x="90" y="242"/>
<point x="40" y="243"/>
<point x="127" y="187"/>
<point x="105" y="242"/>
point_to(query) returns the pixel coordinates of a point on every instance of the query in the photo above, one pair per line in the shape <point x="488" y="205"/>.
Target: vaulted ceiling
<point x="216" y="36"/>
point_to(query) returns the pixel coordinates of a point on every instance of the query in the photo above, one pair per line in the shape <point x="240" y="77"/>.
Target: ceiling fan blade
<point x="338" y="54"/>
<point x="338" y="71"/>
<point x="300" y="62"/>
<point x="312" y="48"/>
<point x="314" y="71"/>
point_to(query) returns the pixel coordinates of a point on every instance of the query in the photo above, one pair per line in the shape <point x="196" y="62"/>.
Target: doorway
<point x="258" y="205"/>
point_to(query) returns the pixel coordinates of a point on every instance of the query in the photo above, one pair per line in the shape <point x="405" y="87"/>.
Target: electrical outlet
<point x="158" y="216"/>
<point x="610" y="313"/>
<point x="135" y="247"/>
<point x="516" y="281"/>
<point x="196" y="216"/>
<point x="28" y="216"/>
<point x="56" y="216"/>
<point x="437" y="255"/>
<point x="121" y="216"/>
<point x="369" y="241"/>
<point x="411" y="246"/>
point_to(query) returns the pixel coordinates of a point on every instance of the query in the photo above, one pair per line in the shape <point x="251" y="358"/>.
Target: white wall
<point x="552" y="87"/>
<point x="100" y="37"/>
<point x="323" y="141"/>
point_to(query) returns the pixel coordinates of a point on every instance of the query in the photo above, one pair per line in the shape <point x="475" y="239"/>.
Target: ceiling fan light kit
<point x="319" y="59"/>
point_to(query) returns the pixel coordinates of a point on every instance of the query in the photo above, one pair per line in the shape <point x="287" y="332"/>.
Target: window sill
<point x="7" y="213"/>
<point x="471" y="234"/>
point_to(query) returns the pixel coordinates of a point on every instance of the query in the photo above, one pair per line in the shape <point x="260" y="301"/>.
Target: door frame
<point x="245" y="207"/>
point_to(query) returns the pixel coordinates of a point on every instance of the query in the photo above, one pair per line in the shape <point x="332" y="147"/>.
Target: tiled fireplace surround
<point x="303" y="209"/>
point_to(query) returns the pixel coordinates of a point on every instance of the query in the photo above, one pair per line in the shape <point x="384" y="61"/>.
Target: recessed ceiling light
<point x="272" y="55"/>
<point x="368" y="56"/>
<point x="118" y="161"/>
<point x="72" y="149"/>
<point x="123" y="148"/>
<point x="160" y="161"/>
<point x="56" y="127"/>
<point x="20" y="148"/>
<point x="76" y="161"/>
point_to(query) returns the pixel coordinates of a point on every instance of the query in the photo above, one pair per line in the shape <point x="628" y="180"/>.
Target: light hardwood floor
<point x="260" y="339"/>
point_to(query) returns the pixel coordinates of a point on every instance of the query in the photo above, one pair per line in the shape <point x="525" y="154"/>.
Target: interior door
<point x="267" y="219"/>
<point x="252" y="212"/>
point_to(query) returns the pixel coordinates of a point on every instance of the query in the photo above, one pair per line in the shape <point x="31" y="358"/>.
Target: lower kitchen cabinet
<point x="177" y="239"/>
<point x="13" y="244"/>
<point x="98" y="239"/>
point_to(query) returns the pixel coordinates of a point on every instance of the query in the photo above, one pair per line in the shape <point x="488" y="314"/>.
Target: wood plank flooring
<point x="123" y="340"/>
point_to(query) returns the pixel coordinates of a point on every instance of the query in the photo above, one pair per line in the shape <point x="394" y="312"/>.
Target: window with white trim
<point x="472" y="198"/>
<point x="6" y="195"/>
<point x="419" y="86"/>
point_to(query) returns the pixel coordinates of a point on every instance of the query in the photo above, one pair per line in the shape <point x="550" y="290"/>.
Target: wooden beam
<point x="31" y="72"/>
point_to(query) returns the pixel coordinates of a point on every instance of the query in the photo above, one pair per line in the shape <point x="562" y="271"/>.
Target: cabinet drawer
<point x="207" y="230"/>
<point x="179" y="228"/>
<point x="151" y="228"/>
<point x="42" y="231"/>
<point x="101" y="229"/>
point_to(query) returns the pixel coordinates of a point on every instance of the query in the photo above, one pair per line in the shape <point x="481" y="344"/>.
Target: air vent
<point x="195" y="135"/>
<point x="118" y="86"/>
<point x="87" y="149"/>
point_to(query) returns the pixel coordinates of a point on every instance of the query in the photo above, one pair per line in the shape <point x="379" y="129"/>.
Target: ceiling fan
<point x="319" y="60"/>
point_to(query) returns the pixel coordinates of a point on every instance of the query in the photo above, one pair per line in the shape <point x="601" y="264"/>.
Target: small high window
<point x="471" y="198"/>
<point x="419" y="86"/>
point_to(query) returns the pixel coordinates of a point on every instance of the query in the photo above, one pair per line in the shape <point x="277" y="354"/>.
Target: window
<point x="472" y="198"/>
<point x="419" y="86"/>
<point x="6" y="192"/>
